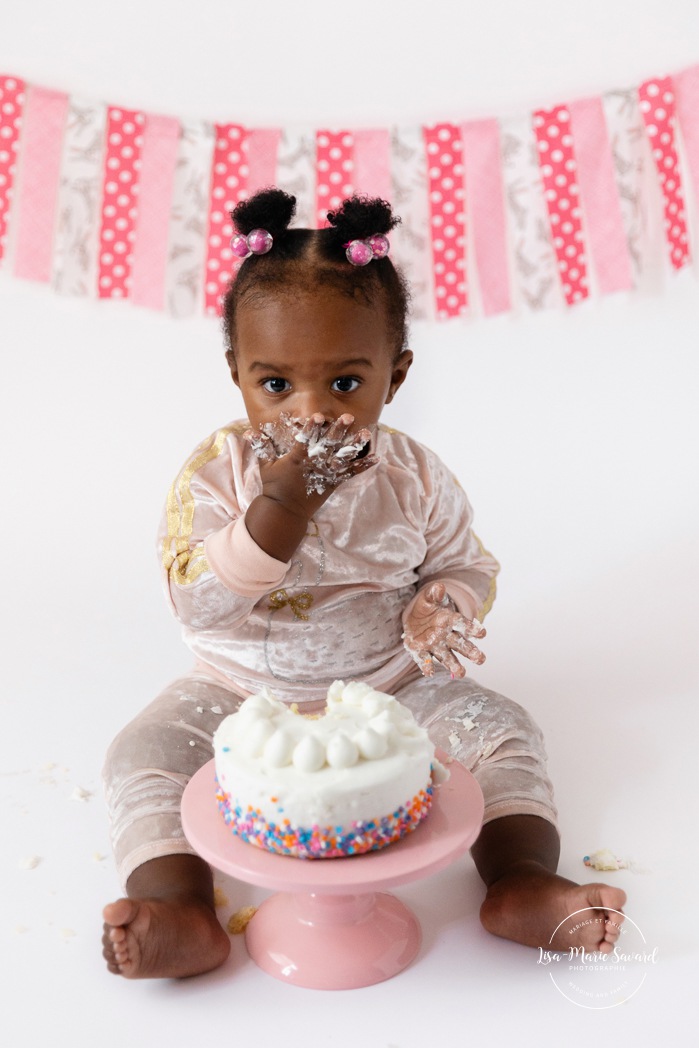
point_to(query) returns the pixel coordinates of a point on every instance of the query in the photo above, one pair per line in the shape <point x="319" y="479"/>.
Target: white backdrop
<point x="573" y="432"/>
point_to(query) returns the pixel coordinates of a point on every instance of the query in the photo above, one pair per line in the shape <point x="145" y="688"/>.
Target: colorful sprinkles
<point x="323" y="842"/>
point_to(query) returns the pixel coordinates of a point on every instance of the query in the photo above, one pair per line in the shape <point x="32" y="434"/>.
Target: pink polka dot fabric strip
<point x="334" y="171"/>
<point x="657" y="103"/>
<point x="122" y="162"/>
<point x="445" y="180"/>
<point x="559" y="176"/>
<point x="11" y="107"/>
<point x="229" y="178"/>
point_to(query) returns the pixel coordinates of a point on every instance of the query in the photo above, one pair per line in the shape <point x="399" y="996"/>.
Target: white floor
<point x="626" y="794"/>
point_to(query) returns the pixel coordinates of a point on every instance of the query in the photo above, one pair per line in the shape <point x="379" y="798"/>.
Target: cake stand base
<point x="333" y="942"/>
<point x="331" y="927"/>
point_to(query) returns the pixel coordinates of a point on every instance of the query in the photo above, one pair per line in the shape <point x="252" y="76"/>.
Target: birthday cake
<point x="353" y="779"/>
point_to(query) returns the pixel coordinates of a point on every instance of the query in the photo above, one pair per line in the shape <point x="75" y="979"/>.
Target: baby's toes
<point x="612" y="927"/>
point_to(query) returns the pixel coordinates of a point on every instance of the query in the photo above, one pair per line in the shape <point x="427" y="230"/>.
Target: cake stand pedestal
<point x="331" y="927"/>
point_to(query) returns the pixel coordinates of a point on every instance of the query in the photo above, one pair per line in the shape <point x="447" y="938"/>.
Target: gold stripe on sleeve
<point x="182" y="564"/>
<point x="492" y="588"/>
<point x="189" y="565"/>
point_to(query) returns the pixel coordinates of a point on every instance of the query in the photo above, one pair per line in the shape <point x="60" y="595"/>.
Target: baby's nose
<point x="307" y="405"/>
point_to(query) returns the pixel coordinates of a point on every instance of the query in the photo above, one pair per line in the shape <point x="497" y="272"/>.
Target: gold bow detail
<point x="280" y="598"/>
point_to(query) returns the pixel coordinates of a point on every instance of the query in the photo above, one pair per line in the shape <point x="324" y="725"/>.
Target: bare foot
<point x="530" y="903"/>
<point x="166" y="938"/>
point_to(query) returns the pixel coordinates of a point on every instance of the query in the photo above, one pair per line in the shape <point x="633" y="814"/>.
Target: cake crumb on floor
<point x="604" y="860"/>
<point x="241" y="919"/>
<point x="30" y="863"/>
<point x="220" y="898"/>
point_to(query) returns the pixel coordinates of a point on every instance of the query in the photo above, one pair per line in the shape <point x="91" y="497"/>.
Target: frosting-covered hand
<point x="333" y="452"/>
<point x="435" y="630"/>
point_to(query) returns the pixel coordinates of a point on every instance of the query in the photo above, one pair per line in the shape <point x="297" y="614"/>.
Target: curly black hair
<point x="310" y="259"/>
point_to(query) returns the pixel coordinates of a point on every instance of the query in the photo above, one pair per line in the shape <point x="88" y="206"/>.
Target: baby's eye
<point x="345" y="384"/>
<point x="276" y="385"/>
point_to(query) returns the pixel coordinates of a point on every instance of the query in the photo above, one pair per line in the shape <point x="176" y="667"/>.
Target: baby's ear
<point x="399" y="372"/>
<point x="233" y="367"/>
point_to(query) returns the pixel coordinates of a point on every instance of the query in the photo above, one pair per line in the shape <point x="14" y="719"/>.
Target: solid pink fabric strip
<point x="372" y="163"/>
<point x="598" y="192"/>
<point x="484" y="186"/>
<point x="262" y="147"/>
<point x="42" y="143"/>
<point x="161" y="136"/>
<point x="687" y="108"/>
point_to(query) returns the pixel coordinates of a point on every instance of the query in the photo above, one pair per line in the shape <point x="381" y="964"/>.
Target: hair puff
<point x="270" y="209"/>
<point x="361" y="217"/>
<point x="312" y="261"/>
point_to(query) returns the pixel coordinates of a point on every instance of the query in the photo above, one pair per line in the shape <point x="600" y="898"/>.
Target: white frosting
<point x="308" y="754"/>
<point x="255" y="737"/>
<point x="279" y="749"/>
<point x="371" y="744"/>
<point x="363" y="758"/>
<point x="359" y="724"/>
<point x="341" y="751"/>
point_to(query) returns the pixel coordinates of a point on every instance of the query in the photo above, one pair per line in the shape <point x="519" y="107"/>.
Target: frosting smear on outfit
<point x="351" y="780"/>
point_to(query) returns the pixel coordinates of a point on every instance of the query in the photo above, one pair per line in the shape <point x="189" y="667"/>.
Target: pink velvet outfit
<point x="334" y="611"/>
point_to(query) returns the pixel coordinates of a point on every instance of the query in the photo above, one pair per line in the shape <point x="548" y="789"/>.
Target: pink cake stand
<point x="330" y="927"/>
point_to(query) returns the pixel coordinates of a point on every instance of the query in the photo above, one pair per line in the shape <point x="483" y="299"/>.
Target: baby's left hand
<point x="434" y="630"/>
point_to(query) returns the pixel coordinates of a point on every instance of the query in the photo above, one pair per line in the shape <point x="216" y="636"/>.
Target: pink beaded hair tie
<point x="359" y="252"/>
<point x="257" y="242"/>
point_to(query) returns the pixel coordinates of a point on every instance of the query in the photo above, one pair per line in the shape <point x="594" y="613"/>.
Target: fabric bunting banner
<point x="579" y="199"/>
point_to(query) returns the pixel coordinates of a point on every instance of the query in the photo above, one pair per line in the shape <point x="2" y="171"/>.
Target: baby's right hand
<point x="302" y="461"/>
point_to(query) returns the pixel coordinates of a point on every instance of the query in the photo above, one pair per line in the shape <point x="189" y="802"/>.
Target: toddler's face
<point x="315" y="353"/>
